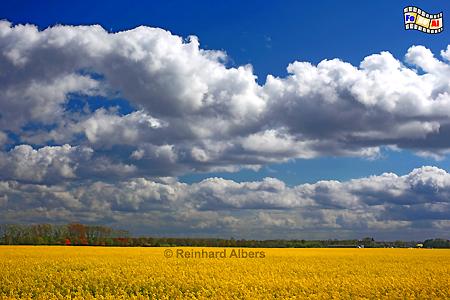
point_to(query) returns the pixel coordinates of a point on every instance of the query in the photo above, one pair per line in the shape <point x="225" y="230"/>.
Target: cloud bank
<point x="385" y="205"/>
<point x="65" y="159"/>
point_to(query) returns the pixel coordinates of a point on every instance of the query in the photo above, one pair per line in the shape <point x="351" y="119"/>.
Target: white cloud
<point x="48" y="163"/>
<point x="213" y="116"/>
<point x="382" y="204"/>
<point x="192" y="113"/>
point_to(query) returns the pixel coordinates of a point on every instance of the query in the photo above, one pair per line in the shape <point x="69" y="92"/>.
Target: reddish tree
<point x="77" y="233"/>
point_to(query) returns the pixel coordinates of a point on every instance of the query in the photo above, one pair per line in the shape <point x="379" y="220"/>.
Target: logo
<point x="417" y="19"/>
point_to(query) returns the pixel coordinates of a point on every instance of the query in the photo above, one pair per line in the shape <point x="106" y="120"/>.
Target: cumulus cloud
<point x="376" y="205"/>
<point x="52" y="163"/>
<point x="190" y="112"/>
<point x="211" y="116"/>
<point x="55" y="164"/>
<point x="381" y="103"/>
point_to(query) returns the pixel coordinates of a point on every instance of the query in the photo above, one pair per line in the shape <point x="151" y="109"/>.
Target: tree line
<point x="436" y="243"/>
<point x="69" y="234"/>
<point x="94" y="235"/>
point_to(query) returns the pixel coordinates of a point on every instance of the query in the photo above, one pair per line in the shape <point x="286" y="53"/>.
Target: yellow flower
<point x="45" y="272"/>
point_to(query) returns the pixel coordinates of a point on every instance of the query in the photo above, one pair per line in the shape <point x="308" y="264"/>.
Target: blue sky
<point x="86" y="107"/>
<point x="267" y="35"/>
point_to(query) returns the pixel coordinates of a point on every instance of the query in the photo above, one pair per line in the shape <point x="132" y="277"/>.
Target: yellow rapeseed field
<point x="45" y="272"/>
